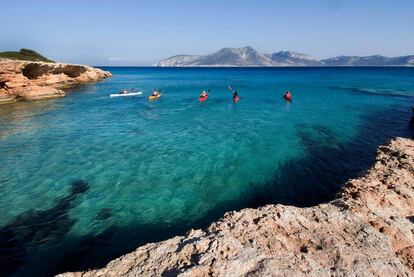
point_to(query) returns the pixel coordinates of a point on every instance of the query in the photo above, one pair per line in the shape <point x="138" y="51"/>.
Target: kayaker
<point x="288" y="95"/>
<point x="235" y="94"/>
<point x="203" y="94"/>
<point x="155" y="92"/>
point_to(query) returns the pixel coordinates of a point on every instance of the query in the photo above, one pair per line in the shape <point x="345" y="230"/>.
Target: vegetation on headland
<point x="25" y="55"/>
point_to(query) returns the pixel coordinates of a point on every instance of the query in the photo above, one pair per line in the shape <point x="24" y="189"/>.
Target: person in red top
<point x="203" y="94"/>
<point x="288" y="95"/>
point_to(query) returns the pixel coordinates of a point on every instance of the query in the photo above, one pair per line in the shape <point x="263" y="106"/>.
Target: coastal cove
<point x="85" y="179"/>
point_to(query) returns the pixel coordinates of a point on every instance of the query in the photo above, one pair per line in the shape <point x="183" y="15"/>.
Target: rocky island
<point x="39" y="78"/>
<point x="249" y="57"/>
<point x="367" y="231"/>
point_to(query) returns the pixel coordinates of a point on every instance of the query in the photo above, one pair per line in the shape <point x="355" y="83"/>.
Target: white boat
<point x="126" y="94"/>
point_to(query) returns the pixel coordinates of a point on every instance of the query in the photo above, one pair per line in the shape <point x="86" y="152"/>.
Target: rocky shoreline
<point x="367" y="231"/>
<point x="27" y="81"/>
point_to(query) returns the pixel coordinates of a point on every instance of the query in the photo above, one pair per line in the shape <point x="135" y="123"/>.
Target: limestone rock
<point x="35" y="92"/>
<point x="5" y="97"/>
<point x="367" y="231"/>
<point x="24" y="80"/>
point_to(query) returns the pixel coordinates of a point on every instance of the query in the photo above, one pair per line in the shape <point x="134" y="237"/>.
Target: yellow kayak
<point x="154" y="97"/>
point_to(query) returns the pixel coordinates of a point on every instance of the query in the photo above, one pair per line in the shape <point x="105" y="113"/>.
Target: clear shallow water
<point x="86" y="178"/>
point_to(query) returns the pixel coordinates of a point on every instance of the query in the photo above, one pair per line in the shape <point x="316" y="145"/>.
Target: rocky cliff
<point x="25" y="80"/>
<point x="367" y="231"/>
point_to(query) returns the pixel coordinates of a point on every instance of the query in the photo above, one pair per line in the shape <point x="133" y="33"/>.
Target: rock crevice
<point x="367" y="231"/>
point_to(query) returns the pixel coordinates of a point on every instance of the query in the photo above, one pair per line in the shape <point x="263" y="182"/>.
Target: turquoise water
<point x="86" y="178"/>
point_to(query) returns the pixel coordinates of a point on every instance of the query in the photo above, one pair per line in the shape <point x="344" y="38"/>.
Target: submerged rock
<point x="25" y="80"/>
<point x="367" y="231"/>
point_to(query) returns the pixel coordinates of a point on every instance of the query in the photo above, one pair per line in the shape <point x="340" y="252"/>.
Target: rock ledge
<point x="26" y="80"/>
<point x="367" y="231"/>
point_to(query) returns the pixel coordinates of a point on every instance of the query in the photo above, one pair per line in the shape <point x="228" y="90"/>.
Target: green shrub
<point x="25" y="55"/>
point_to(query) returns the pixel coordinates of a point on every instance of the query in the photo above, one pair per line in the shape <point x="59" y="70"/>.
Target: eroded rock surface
<point x="25" y="80"/>
<point x="367" y="231"/>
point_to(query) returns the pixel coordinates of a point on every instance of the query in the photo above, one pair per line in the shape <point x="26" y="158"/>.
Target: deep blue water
<point x="87" y="178"/>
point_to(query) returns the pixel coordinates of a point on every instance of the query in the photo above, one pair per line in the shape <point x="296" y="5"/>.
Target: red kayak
<point x="236" y="99"/>
<point x="288" y="97"/>
<point x="202" y="99"/>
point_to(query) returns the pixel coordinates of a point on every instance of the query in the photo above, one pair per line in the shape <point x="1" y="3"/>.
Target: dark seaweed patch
<point x="328" y="163"/>
<point x="33" y="228"/>
<point x="103" y="214"/>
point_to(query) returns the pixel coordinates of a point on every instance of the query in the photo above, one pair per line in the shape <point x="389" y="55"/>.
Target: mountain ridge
<point x="249" y="57"/>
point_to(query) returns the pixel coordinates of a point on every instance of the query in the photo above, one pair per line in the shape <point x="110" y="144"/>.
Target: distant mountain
<point x="376" y="60"/>
<point x="25" y="55"/>
<point x="293" y="58"/>
<point x="179" y="60"/>
<point x="247" y="56"/>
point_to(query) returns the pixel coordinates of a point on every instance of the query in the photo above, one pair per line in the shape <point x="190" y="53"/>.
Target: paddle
<point x="230" y="88"/>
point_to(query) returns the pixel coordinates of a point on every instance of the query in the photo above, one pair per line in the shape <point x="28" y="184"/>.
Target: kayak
<point x="125" y="94"/>
<point x="152" y="97"/>
<point x="236" y="99"/>
<point x="202" y="99"/>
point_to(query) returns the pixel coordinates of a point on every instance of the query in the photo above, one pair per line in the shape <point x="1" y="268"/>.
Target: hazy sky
<point x="142" y="32"/>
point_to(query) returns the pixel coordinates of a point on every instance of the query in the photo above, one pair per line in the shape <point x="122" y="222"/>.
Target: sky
<point x="125" y="32"/>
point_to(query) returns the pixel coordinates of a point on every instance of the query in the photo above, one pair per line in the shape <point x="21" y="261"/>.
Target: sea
<point x="87" y="178"/>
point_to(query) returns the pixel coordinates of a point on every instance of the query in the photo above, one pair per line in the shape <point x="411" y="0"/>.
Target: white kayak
<point x="125" y="94"/>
